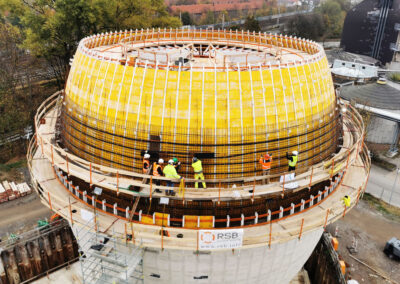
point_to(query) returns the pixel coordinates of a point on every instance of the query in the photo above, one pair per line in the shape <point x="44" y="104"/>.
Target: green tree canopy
<point x="333" y="16"/>
<point x="13" y="103"/>
<point x="53" y="28"/>
<point x="186" y="19"/>
<point x="307" y="26"/>
<point x="251" y="24"/>
<point x="326" y="21"/>
<point x="132" y="14"/>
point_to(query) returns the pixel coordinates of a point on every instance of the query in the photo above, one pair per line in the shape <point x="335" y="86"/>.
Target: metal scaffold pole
<point x="107" y="258"/>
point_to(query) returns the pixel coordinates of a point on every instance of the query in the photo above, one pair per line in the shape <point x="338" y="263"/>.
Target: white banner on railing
<point x="87" y="215"/>
<point x="220" y="239"/>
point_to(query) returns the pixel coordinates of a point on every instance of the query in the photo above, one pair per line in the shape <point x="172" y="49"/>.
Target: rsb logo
<point x="209" y="237"/>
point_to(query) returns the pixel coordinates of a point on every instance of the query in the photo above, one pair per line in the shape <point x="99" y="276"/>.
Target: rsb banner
<point x="220" y="239"/>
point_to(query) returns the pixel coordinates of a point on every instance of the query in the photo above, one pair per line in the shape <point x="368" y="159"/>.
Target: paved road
<point x="380" y="185"/>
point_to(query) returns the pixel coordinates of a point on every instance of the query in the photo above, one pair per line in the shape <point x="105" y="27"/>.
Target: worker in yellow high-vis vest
<point x="292" y="160"/>
<point x="346" y="201"/>
<point x="170" y="172"/>
<point x="198" y="172"/>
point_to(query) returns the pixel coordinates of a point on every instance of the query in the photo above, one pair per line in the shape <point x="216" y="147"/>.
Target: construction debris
<point x="11" y="191"/>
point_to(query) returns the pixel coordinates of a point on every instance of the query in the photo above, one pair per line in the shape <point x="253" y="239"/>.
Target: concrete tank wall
<point x="278" y="264"/>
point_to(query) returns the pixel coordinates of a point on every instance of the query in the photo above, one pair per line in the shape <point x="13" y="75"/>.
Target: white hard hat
<point x="295" y="153"/>
<point x="146" y="156"/>
<point x="160" y="161"/>
<point x="171" y="162"/>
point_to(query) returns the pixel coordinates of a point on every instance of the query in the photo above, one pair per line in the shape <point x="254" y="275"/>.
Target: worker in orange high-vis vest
<point x="158" y="171"/>
<point x="146" y="163"/>
<point x="265" y="162"/>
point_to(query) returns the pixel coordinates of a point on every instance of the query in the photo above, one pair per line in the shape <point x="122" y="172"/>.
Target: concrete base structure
<point x="278" y="264"/>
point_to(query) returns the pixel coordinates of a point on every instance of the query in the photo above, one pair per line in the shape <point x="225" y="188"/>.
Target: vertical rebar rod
<point x="177" y="105"/>
<point x="121" y="86"/>
<point x="276" y="109"/>
<point x="127" y="107"/>
<point x="254" y="118"/>
<point x="241" y="115"/>
<point x="152" y="100"/>
<point x="228" y="114"/>
<point x="215" y="120"/>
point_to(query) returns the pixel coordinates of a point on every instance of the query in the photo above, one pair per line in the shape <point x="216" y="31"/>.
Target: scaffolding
<point x="106" y="259"/>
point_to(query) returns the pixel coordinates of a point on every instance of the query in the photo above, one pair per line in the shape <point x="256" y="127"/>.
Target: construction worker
<point x="177" y="164"/>
<point x="170" y="172"/>
<point x="293" y="158"/>
<point x="265" y="162"/>
<point x="158" y="172"/>
<point x="346" y="201"/>
<point x="146" y="163"/>
<point x="198" y="172"/>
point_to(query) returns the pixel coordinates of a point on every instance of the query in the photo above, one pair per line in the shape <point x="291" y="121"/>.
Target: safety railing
<point x="126" y="214"/>
<point x="153" y="36"/>
<point x="149" y="235"/>
<point x="120" y="180"/>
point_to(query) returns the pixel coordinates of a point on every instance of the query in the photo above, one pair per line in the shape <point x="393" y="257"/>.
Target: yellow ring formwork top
<point x="226" y="96"/>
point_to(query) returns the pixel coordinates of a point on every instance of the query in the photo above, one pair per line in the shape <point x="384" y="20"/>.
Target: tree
<point x="14" y="102"/>
<point x="52" y="29"/>
<point x="223" y="16"/>
<point x="186" y="19"/>
<point x="132" y="14"/>
<point x="207" y="18"/>
<point x="307" y="26"/>
<point x="251" y="24"/>
<point x="333" y="16"/>
<point x="326" y="22"/>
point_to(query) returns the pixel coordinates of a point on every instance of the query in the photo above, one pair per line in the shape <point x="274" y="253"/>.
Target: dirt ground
<point x="21" y="215"/>
<point x="378" y="148"/>
<point x="14" y="170"/>
<point x="371" y="228"/>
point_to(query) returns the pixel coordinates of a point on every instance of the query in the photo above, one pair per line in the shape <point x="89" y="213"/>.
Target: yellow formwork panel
<point x="199" y="111"/>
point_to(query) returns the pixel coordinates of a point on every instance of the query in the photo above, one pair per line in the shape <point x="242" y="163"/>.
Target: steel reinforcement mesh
<point x="225" y="153"/>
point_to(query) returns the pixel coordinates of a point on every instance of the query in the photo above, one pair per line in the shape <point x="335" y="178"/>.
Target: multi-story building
<point x="372" y="28"/>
